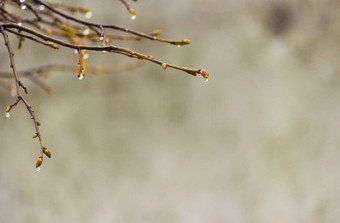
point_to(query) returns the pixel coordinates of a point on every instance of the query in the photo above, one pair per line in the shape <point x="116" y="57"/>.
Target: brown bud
<point x="38" y="123"/>
<point x="47" y="152"/>
<point x="164" y="66"/>
<point x="39" y="162"/>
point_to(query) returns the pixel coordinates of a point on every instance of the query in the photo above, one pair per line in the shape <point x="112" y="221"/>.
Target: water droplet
<point x="13" y="93"/>
<point x="104" y="51"/>
<point x="101" y="38"/>
<point x="80" y="76"/>
<point x="42" y="8"/>
<point x="86" y="56"/>
<point x="22" y="1"/>
<point x="75" y="51"/>
<point x="38" y="169"/>
<point x="88" y="14"/>
<point x="133" y="17"/>
<point x="7" y="114"/>
<point x="19" y="24"/>
<point x="23" y="7"/>
<point x="206" y="80"/>
<point x="86" y="32"/>
<point x="178" y="46"/>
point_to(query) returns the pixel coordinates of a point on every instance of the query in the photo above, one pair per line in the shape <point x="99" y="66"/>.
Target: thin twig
<point x="19" y="95"/>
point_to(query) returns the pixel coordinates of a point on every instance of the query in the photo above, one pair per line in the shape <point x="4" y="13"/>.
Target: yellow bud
<point x="156" y="32"/>
<point x="35" y="135"/>
<point x="186" y="41"/>
<point x="132" y="12"/>
<point x="84" y="9"/>
<point x="8" y="108"/>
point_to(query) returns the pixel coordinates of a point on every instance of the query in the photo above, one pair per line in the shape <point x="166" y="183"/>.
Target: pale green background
<point x="258" y="143"/>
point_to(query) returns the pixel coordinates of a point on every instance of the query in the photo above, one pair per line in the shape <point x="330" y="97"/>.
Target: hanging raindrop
<point x="133" y="17"/>
<point x="42" y="8"/>
<point x="88" y="14"/>
<point x="22" y="1"/>
<point x="23" y="7"/>
<point x="101" y="38"/>
<point x="86" y="56"/>
<point x="80" y="76"/>
<point x="206" y="80"/>
<point x="38" y="168"/>
<point x="7" y="114"/>
<point x="178" y="46"/>
<point x="86" y="32"/>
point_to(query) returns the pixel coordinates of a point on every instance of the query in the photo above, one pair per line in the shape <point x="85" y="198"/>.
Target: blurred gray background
<point x="258" y="143"/>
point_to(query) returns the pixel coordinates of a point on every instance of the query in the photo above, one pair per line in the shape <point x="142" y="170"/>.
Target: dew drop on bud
<point x="88" y="14"/>
<point x="80" y="76"/>
<point x="7" y="114"/>
<point x="206" y="80"/>
<point x="23" y="7"/>
<point x="133" y="17"/>
<point x="38" y="168"/>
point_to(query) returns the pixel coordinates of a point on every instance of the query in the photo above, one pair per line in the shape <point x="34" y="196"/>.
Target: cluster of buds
<point x="40" y="158"/>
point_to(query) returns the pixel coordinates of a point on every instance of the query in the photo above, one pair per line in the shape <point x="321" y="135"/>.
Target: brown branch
<point x="111" y="48"/>
<point x="35" y="74"/>
<point x="18" y="84"/>
<point x="112" y="26"/>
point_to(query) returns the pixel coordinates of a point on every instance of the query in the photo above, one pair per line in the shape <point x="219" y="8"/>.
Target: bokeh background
<point x="258" y="143"/>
